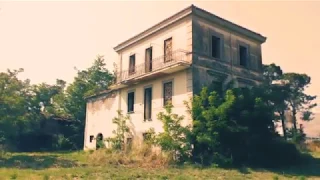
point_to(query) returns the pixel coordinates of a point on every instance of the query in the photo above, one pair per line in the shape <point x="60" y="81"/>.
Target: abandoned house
<point x="170" y="62"/>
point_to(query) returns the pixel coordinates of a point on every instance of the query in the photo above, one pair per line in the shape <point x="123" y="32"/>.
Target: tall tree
<point x="277" y="92"/>
<point x="87" y="82"/>
<point x="298" y="100"/>
<point x="15" y="106"/>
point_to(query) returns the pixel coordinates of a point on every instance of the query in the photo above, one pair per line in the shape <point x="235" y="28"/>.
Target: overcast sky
<point x="48" y="39"/>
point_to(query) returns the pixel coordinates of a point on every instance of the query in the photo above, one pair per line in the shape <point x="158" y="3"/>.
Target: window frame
<point x="132" y="72"/>
<point x="144" y="99"/>
<point x="148" y="68"/>
<point x="134" y="99"/>
<point x="91" y="138"/>
<point x="163" y="91"/>
<point x="247" y="46"/>
<point x="221" y="46"/>
<point x="164" y="50"/>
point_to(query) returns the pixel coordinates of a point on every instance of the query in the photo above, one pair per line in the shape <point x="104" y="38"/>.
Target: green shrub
<point x="14" y="176"/>
<point x="118" y="141"/>
<point x="176" y="138"/>
<point x="237" y="128"/>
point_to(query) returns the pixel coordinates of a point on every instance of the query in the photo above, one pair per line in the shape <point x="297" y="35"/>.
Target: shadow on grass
<point x="35" y="162"/>
<point x="310" y="167"/>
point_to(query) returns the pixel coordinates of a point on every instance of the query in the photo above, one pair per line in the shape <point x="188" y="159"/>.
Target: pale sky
<point x="49" y="39"/>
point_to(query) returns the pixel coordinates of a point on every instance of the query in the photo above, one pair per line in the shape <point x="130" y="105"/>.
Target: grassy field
<point x="96" y="165"/>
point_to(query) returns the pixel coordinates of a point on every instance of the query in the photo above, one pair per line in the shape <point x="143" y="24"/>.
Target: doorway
<point x="99" y="141"/>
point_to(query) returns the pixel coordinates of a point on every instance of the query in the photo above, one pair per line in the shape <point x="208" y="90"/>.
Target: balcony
<point x="165" y="64"/>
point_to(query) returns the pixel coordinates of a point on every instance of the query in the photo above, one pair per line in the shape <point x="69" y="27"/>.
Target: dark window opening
<point x="130" y="101"/>
<point x="167" y="93"/>
<point x="215" y="48"/>
<point x="243" y="53"/>
<point x="91" y="138"/>
<point x="132" y="64"/>
<point x="168" y="50"/>
<point x="147" y="103"/>
<point x="148" y="60"/>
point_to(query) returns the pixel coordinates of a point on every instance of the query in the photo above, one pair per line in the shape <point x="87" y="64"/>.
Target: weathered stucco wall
<point x="101" y="110"/>
<point x="181" y="91"/>
<point x="181" y="35"/>
<point x="99" y="114"/>
<point x="220" y="69"/>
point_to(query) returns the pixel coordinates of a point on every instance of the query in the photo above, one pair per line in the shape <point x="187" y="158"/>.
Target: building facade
<point x="170" y="62"/>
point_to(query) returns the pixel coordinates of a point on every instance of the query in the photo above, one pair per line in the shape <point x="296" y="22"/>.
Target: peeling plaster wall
<point x="181" y="92"/>
<point x="99" y="114"/>
<point x="207" y="69"/>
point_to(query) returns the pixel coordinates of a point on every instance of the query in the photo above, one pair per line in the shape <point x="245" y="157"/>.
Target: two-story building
<point x="170" y="62"/>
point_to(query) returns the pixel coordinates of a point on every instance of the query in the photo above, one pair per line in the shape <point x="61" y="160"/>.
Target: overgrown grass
<point x="136" y="164"/>
<point x="136" y="157"/>
<point x="314" y="146"/>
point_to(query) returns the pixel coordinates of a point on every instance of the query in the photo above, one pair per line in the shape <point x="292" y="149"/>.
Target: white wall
<point x="101" y="111"/>
<point x="180" y="94"/>
<point x="181" y="39"/>
<point x="99" y="114"/>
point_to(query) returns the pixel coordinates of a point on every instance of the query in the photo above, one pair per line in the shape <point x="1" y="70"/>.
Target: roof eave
<point x="229" y="25"/>
<point x="185" y="12"/>
<point x="174" y="18"/>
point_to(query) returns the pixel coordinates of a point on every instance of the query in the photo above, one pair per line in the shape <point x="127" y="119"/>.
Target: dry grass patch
<point x="314" y="146"/>
<point x="142" y="156"/>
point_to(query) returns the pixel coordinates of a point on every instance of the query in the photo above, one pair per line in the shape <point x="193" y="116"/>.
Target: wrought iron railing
<point x="178" y="56"/>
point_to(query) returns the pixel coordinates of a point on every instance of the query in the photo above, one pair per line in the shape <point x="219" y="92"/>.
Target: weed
<point x="275" y="178"/>
<point x="14" y="176"/>
<point x="46" y="177"/>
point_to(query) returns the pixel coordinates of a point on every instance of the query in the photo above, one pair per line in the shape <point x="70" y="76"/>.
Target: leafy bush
<point x="100" y="144"/>
<point x="118" y="141"/>
<point x="237" y="129"/>
<point x="176" y="138"/>
<point x="60" y="142"/>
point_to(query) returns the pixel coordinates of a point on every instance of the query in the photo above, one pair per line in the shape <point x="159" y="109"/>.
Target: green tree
<point x="16" y="108"/>
<point x="298" y="100"/>
<point x="277" y="92"/>
<point x="87" y="82"/>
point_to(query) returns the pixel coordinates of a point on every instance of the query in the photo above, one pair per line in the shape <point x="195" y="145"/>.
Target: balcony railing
<point x="156" y="64"/>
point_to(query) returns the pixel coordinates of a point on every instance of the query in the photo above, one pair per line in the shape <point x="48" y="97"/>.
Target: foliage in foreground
<point x="120" y="133"/>
<point x="238" y="128"/>
<point x="175" y="138"/>
<point x="103" y="164"/>
<point x="232" y="129"/>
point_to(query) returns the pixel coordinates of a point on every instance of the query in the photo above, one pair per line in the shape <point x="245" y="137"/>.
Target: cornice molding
<point x="194" y="11"/>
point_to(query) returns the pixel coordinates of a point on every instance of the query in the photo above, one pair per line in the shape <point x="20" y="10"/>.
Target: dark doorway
<point x="99" y="141"/>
